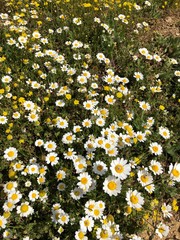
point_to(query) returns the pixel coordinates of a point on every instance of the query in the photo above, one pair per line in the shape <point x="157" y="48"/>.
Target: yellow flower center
<point x="99" y="168"/>
<point x="33" y="195"/>
<point x="119" y="168"/>
<point x="50" y="145"/>
<point x="144" y="178"/>
<point x="52" y="158"/>
<point x="84" y="180"/>
<point x="24" y="208"/>
<point x="63" y="218"/>
<point x="9" y="186"/>
<point x="18" y="165"/>
<point x="69" y="138"/>
<point x="86" y="223"/>
<point x="112" y="185"/>
<point x="134" y="199"/>
<point x="161" y="230"/>
<point x="175" y="172"/>
<point x="155" y="149"/>
<point x="104" y="234"/>
<point x="155" y="168"/>
<point x="1" y="223"/>
<point x="10" y="154"/>
<point x="96" y="212"/>
<point x="14" y="196"/>
<point x="81" y="235"/>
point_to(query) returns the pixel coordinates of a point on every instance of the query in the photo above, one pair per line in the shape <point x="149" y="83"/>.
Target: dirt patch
<point x="168" y="25"/>
<point x="174" y="233"/>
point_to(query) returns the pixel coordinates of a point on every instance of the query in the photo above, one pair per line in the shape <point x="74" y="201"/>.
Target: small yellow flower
<point x="21" y="141"/>
<point x="161" y="107"/>
<point x="11" y="173"/>
<point x="9" y="137"/>
<point x="68" y="96"/>
<point x="1" y="90"/>
<point x="76" y="102"/>
<point x="119" y="95"/>
<point x="46" y="99"/>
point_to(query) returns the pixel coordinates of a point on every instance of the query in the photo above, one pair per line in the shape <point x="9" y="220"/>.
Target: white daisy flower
<point x="85" y="181"/>
<point x="120" y="168"/>
<point x="134" y="199"/>
<point x="33" y="195"/>
<point x="52" y="158"/>
<point x="162" y="230"/>
<point x="24" y="210"/>
<point x="3" y="222"/>
<point x="174" y="172"/>
<point x="156" y="167"/>
<point x="155" y="148"/>
<point x="10" y="153"/>
<point x="112" y="186"/>
<point x="86" y="223"/>
<point x="50" y="146"/>
<point x="164" y="132"/>
<point x="99" y="168"/>
<point x="3" y="120"/>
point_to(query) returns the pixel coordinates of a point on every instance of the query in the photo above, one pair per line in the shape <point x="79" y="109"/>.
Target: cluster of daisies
<point x="85" y="150"/>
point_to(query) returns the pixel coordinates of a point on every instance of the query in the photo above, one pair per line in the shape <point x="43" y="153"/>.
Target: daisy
<point x="63" y="218"/>
<point x="29" y="105"/>
<point x="104" y="233"/>
<point x="68" y="138"/>
<point x="88" y="105"/>
<point x="156" y="167"/>
<point x="134" y="199"/>
<point x="82" y="79"/>
<point x="3" y="120"/>
<point x="61" y="123"/>
<point x="60" y="103"/>
<point x="10" y="187"/>
<point x="166" y="209"/>
<point x="14" y="196"/>
<point x="8" y="206"/>
<point x="33" y="117"/>
<point x="162" y="230"/>
<point x="87" y="123"/>
<point x="80" y="165"/>
<point x="86" y="223"/>
<point x="144" y="106"/>
<point x="61" y="187"/>
<point x="155" y="148"/>
<point x="52" y="158"/>
<point x="33" y="195"/>
<point x="112" y="186"/>
<point x="99" y="168"/>
<point x="33" y="169"/>
<point x="50" y="146"/>
<point x="76" y="193"/>
<point x="157" y="58"/>
<point x="138" y="76"/>
<point x="164" y="132"/>
<point x="85" y="181"/>
<point x="120" y="168"/>
<point x="97" y="213"/>
<point x="10" y="153"/>
<point x="174" y="171"/>
<point x="143" y="51"/>
<point x="100" y="122"/>
<point x="60" y="175"/>
<point x="6" y="79"/>
<point x="140" y="136"/>
<point x="70" y="154"/>
<point x="24" y="210"/>
<point x="89" y="206"/>
<point x="80" y="235"/>
<point x="39" y="143"/>
<point x="109" y="99"/>
<point x="3" y="222"/>
<point x="16" y="115"/>
<point x="100" y="57"/>
<point x="144" y="177"/>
